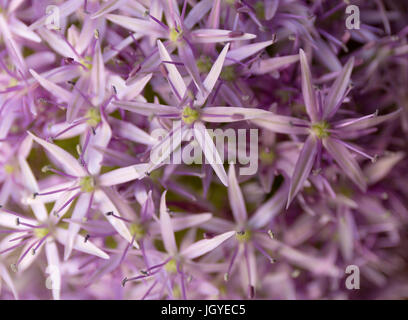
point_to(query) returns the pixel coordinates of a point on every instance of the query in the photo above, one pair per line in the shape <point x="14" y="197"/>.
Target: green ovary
<point x="171" y="266"/>
<point x="267" y="157"/>
<point x="86" y="62"/>
<point x="9" y="169"/>
<point x="175" y="35"/>
<point x="243" y="236"/>
<point x="41" y="232"/>
<point x="93" y="116"/>
<point x="87" y="184"/>
<point x="13" y="82"/>
<point x="189" y="115"/>
<point x="137" y="230"/>
<point x="321" y="129"/>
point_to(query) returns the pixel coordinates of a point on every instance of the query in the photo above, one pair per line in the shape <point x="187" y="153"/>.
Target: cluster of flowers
<point x="86" y="214"/>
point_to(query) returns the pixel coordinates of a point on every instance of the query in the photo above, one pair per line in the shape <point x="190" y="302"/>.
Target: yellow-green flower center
<point x="41" y="232"/>
<point x="267" y="156"/>
<point x="171" y="266"/>
<point x="321" y="129"/>
<point x="243" y="236"/>
<point x="93" y="116"/>
<point x="175" y="35"/>
<point x="9" y="169"/>
<point x="137" y="230"/>
<point x="87" y="184"/>
<point x="189" y="115"/>
<point x="86" y="62"/>
<point x="176" y="292"/>
<point x="13" y="82"/>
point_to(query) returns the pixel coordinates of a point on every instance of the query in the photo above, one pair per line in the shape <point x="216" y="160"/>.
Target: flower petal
<point x="81" y="208"/>
<point x="273" y="64"/>
<point x="236" y="199"/>
<point x="53" y="268"/>
<point x="174" y="75"/>
<point x="303" y="167"/>
<point x="282" y="124"/>
<point x="309" y="96"/>
<point x="70" y="164"/>
<point x="123" y="175"/>
<point x="337" y="90"/>
<point x="206" y="245"/>
<point x="268" y="210"/>
<point x="51" y="87"/>
<point x="80" y="244"/>
<point x="166" y="227"/>
<point x="210" y="151"/>
<point x="217" y="35"/>
<point x="346" y="162"/>
<point x="147" y="109"/>
<point x="213" y="75"/>
<point x="243" y="52"/>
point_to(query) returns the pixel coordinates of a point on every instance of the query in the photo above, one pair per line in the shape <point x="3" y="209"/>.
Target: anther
<point x="110" y="213"/>
<point x="124" y="281"/>
<point x="13" y="267"/>
<point x="18" y="221"/>
<point x="226" y="276"/>
<point x="87" y="237"/>
<point x="78" y="149"/>
<point x="271" y="234"/>
<point x="46" y="168"/>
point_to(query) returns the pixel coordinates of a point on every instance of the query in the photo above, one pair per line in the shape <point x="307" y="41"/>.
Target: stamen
<point x="111" y="213"/>
<point x="36" y="194"/>
<point x="234" y="255"/>
<point x="56" y="213"/>
<point x="263" y="252"/>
